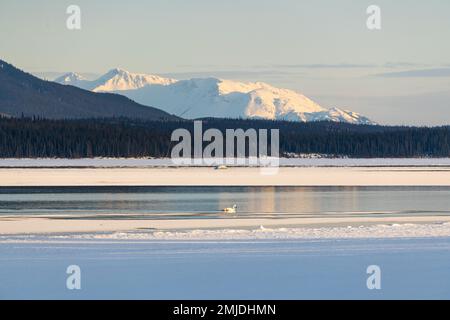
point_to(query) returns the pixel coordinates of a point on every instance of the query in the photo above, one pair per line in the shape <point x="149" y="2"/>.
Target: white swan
<point x="230" y="210"/>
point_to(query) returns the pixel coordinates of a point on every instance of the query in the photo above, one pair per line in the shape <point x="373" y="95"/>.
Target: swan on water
<point x="230" y="210"/>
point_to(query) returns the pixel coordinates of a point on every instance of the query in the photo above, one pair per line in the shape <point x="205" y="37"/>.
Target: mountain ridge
<point x="215" y="97"/>
<point x="114" y="80"/>
<point x="22" y="94"/>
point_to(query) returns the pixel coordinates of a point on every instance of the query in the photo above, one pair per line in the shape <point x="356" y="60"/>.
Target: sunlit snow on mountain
<point x="213" y="97"/>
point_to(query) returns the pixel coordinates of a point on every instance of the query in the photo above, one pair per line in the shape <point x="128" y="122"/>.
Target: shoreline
<point x="207" y="176"/>
<point x="46" y="225"/>
<point x="201" y="176"/>
<point x="168" y="163"/>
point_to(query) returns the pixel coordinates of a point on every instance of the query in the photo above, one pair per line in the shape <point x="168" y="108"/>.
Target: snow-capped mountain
<point x="212" y="97"/>
<point x="113" y="80"/>
<point x="74" y="79"/>
<point x="22" y="94"/>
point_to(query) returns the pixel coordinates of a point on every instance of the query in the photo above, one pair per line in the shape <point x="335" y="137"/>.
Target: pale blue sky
<point x="321" y="48"/>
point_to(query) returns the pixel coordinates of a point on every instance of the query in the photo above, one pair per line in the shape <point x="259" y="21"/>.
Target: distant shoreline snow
<point x="166" y="162"/>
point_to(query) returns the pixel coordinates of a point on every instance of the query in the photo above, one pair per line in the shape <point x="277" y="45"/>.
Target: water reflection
<point x="197" y="202"/>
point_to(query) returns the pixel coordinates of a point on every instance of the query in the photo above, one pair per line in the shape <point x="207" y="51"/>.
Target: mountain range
<point x="113" y="80"/>
<point x="119" y="93"/>
<point x="22" y="94"/>
<point x="213" y="97"/>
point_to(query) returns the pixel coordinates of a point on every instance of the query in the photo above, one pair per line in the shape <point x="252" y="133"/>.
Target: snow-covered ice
<point x="411" y="268"/>
<point x="154" y="162"/>
<point x="381" y="231"/>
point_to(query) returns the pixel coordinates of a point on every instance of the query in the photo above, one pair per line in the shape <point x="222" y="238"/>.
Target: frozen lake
<point x="297" y="269"/>
<point x="326" y="262"/>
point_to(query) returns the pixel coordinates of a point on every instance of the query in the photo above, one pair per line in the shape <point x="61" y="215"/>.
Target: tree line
<point x="119" y="137"/>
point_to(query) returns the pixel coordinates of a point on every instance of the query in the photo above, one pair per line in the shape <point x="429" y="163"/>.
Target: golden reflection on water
<point x="302" y="200"/>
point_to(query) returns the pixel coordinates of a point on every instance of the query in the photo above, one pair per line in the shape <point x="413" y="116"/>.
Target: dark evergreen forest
<point x="120" y="137"/>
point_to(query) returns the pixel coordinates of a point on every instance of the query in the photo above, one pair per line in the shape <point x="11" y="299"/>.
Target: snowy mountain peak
<point x="114" y="80"/>
<point x="119" y="79"/>
<point x="213" y="97"/>
<point x="70" y="78"/>
<point x="116" y="72"/>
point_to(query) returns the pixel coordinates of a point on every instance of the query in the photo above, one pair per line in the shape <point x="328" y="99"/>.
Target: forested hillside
<point x="26" y="137"/>
<point x="23" y="94"/>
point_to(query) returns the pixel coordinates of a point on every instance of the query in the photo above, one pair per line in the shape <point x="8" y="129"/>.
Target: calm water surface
<point x="207" y="202"/>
